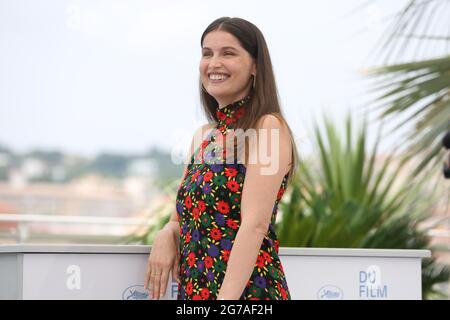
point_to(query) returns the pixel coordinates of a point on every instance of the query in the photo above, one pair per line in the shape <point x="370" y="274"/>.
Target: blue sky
<point x="122" y="76"/>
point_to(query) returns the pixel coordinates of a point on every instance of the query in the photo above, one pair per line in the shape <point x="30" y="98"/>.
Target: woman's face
<point x="226" y="68"/>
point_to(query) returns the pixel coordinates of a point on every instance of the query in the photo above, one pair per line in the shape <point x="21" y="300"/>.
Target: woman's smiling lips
<point x="217" y="77"/>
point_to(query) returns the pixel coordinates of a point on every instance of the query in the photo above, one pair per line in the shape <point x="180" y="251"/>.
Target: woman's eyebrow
<point x="223" y="48"/>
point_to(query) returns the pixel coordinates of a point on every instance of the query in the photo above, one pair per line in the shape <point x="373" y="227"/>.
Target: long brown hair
<point x="264" y="98"/>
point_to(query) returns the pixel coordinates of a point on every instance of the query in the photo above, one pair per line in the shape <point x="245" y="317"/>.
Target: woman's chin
<point x="217" y="93"/>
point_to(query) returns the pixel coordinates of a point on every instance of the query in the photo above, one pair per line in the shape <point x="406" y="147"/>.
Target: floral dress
<point x="208" y="206"/>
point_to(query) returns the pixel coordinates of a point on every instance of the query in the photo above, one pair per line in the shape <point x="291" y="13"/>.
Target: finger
<point x="156" y="284"/>
<point x="147" y="276"/>
<point x="164" y="280"/>
<point x="152" y="286"/>
<point x="175" y="271"/>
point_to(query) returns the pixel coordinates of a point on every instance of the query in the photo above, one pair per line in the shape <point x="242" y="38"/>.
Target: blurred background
<point x="99" y="102"/>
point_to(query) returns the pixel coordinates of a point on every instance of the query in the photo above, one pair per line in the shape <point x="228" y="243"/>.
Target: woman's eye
<point x="229" y="53"/>
<point x="206" y="54"/>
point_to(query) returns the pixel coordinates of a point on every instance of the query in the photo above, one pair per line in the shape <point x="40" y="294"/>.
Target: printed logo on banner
<point x="370" y="286"/>
<point x="174" y="290"/>
<point x="73" y="281"/>
<point x="330" y="292"/>
<point x="136" y="293"/>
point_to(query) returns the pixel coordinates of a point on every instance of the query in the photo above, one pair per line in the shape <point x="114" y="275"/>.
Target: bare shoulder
<point x="274" y="122"/>
<point x="271" y="121"/>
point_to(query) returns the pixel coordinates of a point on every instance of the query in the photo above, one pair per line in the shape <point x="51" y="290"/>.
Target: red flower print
<point x="188" y="236"/>
<point x="280" y="193"/>
<point x="195" y="213"/>
<point x="228" y="121"/>
<point x="239" y="113"/>
<point x="208" y="262"/>
<point x="226" y="255"/>
<point x="260" y="262"/>
<point x="189" y="288"/>
<point x="267" y="256"/>
<point x="191" y="259"/>
<point x="233" y="186"/>
<point x="276" y="244"/>
<point x="232" y="224"/>
<point x="216" y="234"/>
<point x="204" y="293"/>
<point x="201" y="206"/>
<point x="254" y="298"/>
<point x="188" y="202"/>
<point x="230" y="172"/>
<point x="223" y="207"/>
<point x="208" y="176"/>
<point x="197" y="297"/>
<point x="283" y="293"/>
<point x="195" y="175"/>
<point x="204" y="144"/>
<point x="221" y="115"/>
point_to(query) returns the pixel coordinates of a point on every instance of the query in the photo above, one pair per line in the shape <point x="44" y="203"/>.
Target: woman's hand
<point x="162" y="260"/>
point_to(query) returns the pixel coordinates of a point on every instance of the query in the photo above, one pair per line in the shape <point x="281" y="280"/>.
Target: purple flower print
<point x="179" y="207"/>
<point x="213" y="251"/>
<point x="196" y="235"/>
<point x="217" y="167"/>
<point x="210" y="275"/>
<point x="206" y="188"/>
<point x="225" y="244"/>
<point x="220" y="219"/>
<point x="260" y="282"/>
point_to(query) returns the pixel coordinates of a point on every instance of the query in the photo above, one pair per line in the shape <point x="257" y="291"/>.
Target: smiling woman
<point x="220" y="242"/>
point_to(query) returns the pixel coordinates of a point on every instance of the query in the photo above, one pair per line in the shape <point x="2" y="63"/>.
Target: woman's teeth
<point x="218" y="77"/>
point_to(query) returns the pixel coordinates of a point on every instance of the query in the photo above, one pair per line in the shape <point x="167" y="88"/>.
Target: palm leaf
<point x="357" y="206"/>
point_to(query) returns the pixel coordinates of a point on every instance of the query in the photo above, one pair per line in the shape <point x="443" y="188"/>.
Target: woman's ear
<point x="254" y="69"/>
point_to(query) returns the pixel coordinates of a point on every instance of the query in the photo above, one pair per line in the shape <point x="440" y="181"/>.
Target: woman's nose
<point x="215" y="61"/>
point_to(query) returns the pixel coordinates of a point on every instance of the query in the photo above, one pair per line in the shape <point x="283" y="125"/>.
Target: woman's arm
<point x="259" y="194"/>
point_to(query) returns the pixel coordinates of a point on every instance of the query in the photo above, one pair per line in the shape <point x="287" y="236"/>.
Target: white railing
<point x="22" y="233"/>
<point x="40" y="218"/>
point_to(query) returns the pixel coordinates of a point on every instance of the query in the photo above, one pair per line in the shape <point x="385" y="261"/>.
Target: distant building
<point x="7" y="208"/>
<point x="90" y="196"/>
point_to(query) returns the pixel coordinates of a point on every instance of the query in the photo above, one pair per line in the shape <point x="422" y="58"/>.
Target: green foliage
<point x="346" y="199"/>
<point x="420" y="93"/>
